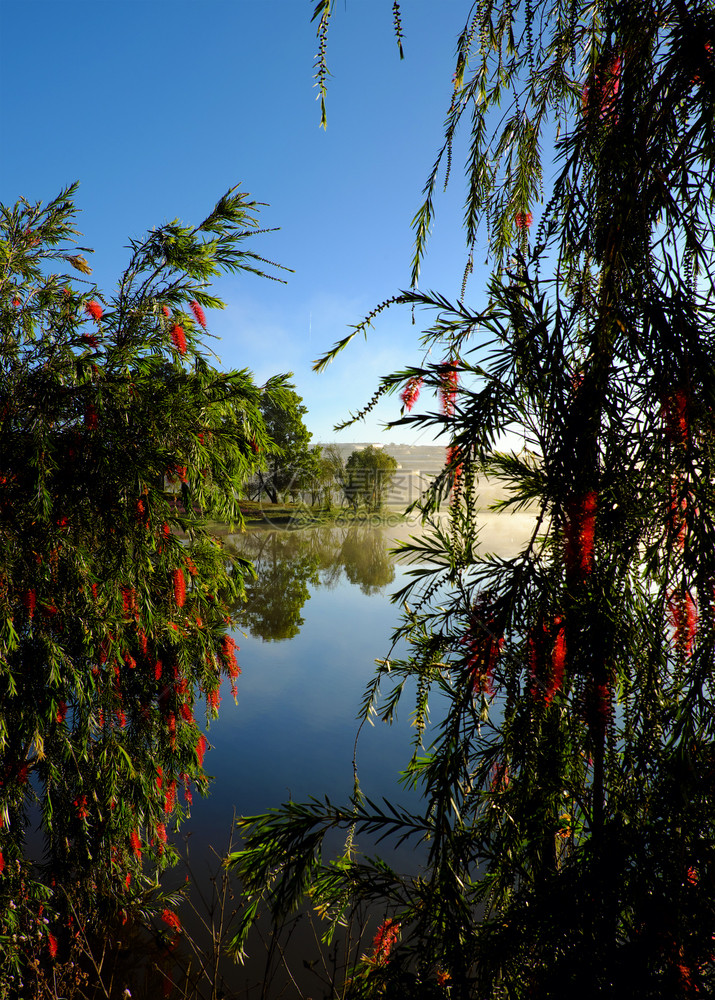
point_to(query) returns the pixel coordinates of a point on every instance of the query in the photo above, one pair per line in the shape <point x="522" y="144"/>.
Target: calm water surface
<point x="317" y="616"/>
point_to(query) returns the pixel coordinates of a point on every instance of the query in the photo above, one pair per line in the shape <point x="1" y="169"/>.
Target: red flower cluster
<point x="213" y="699"/>
<point x="178" y="338"/>
<point x="198" y="313"/>
<point x="684" y="619"/>
<point x="674" y="414"/>
<point x="523" y="220"/>
<point x="201" y="748"/>
<point x="2" y="863"/>
<point x="448" y="388"/>
<point x="411" y="393"/>
<point x="579" y="531"/>
<point x="61" y="711"/>
<point x="547" y="659"/>
<point x="81" y="805"/>
<point x="171" y="920"/>
<point x="170" y="797"/>
<point x="179" y="588"/>
<point x="165" y="310"/>
<point x="384" y="940"/>
<point x="94" y="309"/>
<point x="136" y="844"/>
<point x="228" y="645"/>
<point x="499" y="777"/>
<point x="603" y="92"/>
<point x="30" y="600"/>
<point x="91" y="418"/>
<point x="483" y="646"/>
<point x="130" y="606"/>
<point x="51" y="944"/>
<point x="90" y="340"/>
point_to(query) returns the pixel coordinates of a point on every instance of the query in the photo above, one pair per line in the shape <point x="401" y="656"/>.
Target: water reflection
<point x="289" y="563"/>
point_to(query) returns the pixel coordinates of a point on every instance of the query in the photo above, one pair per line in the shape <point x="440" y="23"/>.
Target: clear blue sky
<point x="158" y="106"/>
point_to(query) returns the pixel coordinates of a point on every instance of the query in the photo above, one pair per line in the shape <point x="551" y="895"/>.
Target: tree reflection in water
<point x="287" y="562"/>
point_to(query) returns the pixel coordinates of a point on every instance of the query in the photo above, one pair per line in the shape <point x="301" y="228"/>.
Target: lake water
<point x="317" y="617"/>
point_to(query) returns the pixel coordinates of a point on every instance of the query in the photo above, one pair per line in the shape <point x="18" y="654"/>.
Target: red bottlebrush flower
<point x="181" y="473"/>
<point x="161" y="833"/>
<point x="130" y="661"/>
<point x="61" y="711"/>
<point x="191" y="566"/>
<point x="411" y="393"/>
<point x="158" y="668"/>
<point x="171" y="920"/>
<point x="610" y="87"/>
<point x="179" y="588"/>
<point x="51" y="944"/>
<point x="159" y="777"/>
<point x="499" y="777"/>
<point x="558" y="662"/>
<point x="81" y="805"/>
<point x="170" y="797"/>
<point x="90" y="340"/>
<point x="128" y="880"/>
<point x="676" y="516"/>
<point x="198" y="312"/>
<point x="384" y="940"/>
<point x="91" y="418"/>
<point x="143" y="641"/>
<point x="579" y="532"/>
<point x="186" y="713"/>
<point x="523" y="220"/>
<point x="674" y="414"/>
<point x="166" y="530"/>
<point x="2" y="863"/>
<point x="141" y="510"/>
<point x="121" y="717"/>
<point x="178" y="338"/>
<point x="16" y="302"/>
<point x="603" y="89"/>
<point x="201" y="748"/>
<point x="171" y="723"/>
<point x="449" y="378"/>
<point x="30" y="600"/>
<point x="94" y="591"/>
<point x="692" y="876"/>
<point x="228" y="645"/>
<point x="165" y="310"/>
<point x="94" y="309"/>
<point x="213" y="699"/>
<point x="483" y="646"/>
<point x="136" y="844"/>
<point x="684" y="619"/>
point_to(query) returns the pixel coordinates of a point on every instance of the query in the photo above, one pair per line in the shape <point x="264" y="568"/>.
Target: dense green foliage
<point x="117" y="439"/>
<point x="368" y="474"/>
<point x="288" y="465"/>
<point x="567" y="784"/>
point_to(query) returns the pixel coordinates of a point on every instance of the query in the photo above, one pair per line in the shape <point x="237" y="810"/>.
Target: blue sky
<point x="159" y="106"/>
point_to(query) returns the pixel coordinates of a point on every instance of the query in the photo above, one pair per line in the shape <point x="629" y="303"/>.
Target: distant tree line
<point x="292" y="470"/>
